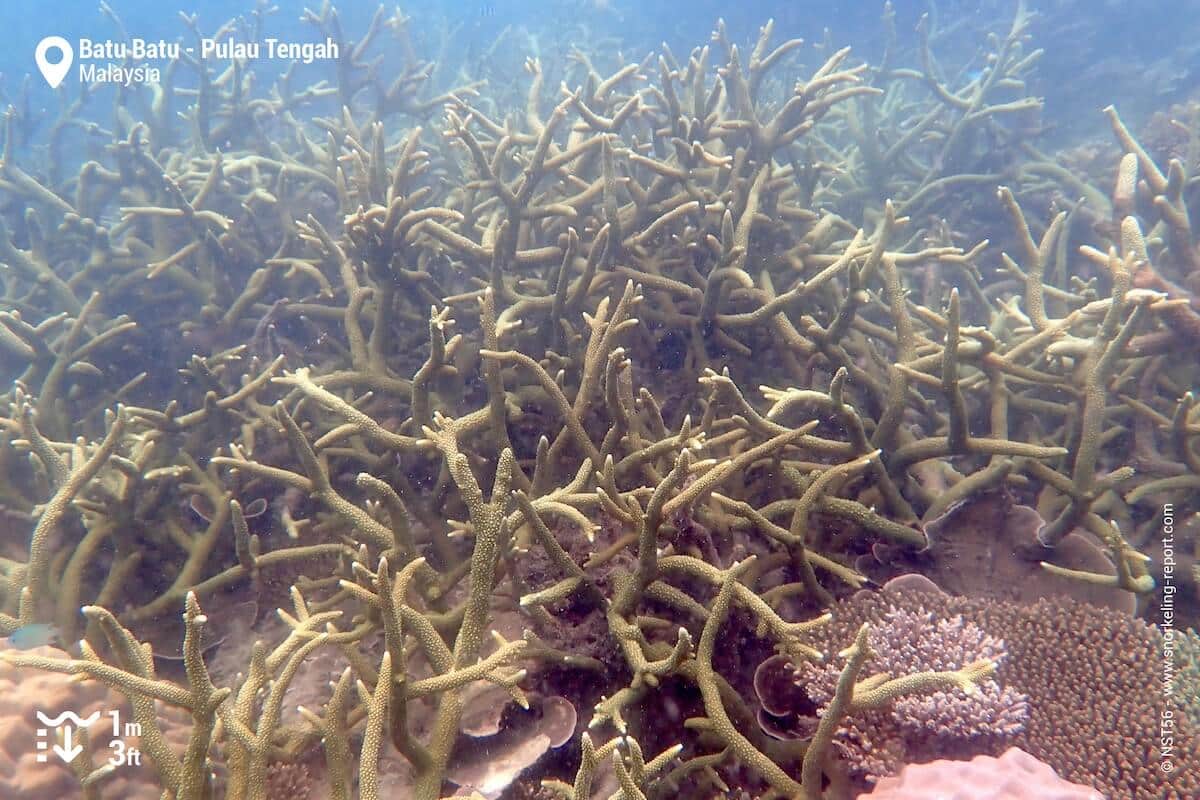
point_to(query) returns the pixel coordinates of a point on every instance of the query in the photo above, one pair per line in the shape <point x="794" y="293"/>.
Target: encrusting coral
<point x="561" y="388"/>
<point x="1012" y="776"/>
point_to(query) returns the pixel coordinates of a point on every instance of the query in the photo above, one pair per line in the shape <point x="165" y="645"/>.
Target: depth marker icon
<point x="68" y="750"/>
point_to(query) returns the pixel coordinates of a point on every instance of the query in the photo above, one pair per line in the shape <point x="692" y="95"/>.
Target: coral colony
<point x="582" y="428"/>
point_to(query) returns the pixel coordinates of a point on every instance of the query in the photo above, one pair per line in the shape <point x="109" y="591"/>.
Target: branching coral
<point x="702" y="361"/>
<point x="877" y="741"/>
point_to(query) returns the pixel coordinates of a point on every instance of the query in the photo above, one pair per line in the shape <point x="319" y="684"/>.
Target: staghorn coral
<point x="981" y="547"/>
<point x="546" y="383"/>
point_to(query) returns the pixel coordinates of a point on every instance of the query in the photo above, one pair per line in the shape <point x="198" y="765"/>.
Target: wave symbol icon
<point x="71" y="716"/>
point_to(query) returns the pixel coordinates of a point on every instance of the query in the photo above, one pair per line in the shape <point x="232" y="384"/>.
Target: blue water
<point x="1084" y="41"/>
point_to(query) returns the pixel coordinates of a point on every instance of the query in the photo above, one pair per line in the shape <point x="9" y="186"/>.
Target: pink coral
<point x="1016" y="775"/>
<point x="876" y="742"/>
<point x="1090" y="675"/>
<point x="23" y="693"/>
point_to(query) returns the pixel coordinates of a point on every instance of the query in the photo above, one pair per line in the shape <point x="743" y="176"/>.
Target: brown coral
<point x="290" y="781"/>
<point x="985" y="546"/>
<point x="1090" y="675"/>
<point x="876" y="742"/>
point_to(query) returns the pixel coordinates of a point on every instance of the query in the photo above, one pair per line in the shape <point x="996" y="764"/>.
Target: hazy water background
<point x="1140" y="55"/>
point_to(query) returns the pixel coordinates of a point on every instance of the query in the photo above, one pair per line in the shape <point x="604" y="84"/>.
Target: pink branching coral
<point x="919" y="727"/>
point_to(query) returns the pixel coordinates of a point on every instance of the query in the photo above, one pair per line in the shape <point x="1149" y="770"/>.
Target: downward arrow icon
<point x="66" y="751"/>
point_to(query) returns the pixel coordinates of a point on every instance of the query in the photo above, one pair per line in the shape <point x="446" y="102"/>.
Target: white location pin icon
<point x="54" y="72"/>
